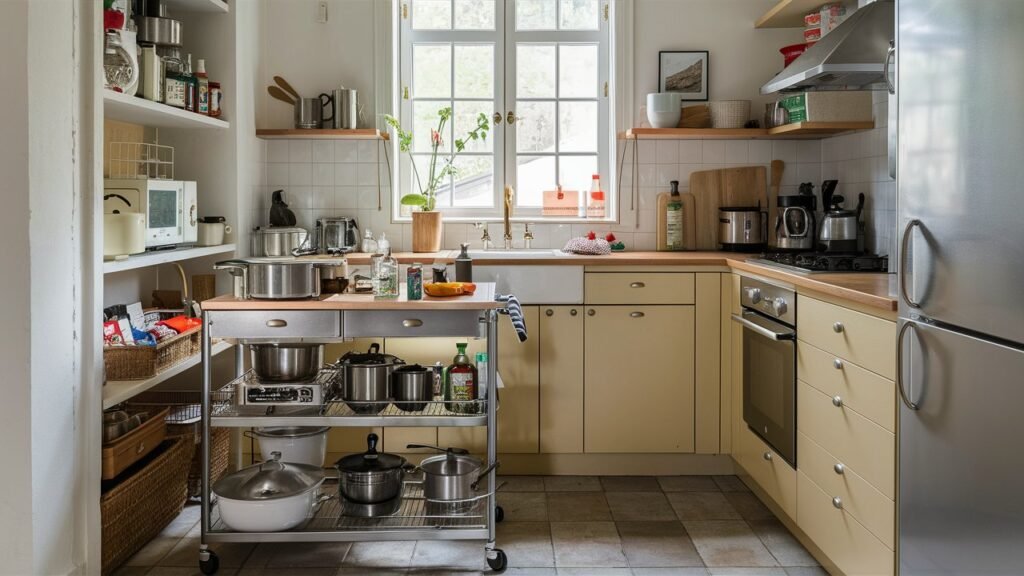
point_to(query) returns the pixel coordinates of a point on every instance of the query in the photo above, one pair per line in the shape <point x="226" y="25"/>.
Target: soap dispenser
<point x="464" y="265"/>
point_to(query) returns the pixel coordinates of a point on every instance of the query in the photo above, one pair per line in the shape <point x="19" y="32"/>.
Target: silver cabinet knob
<point x="754" y="294"/>
<point x="573" y="312"/>
<point x="779" y="306"/>
<point x="636" y="314"/>
<point x="637" y="285"/>
<point x="277" y="323"/>
<point x="837" y="502"/>
<point x="767" y="456"/>
<point x="838" y="327"/>
<point x="591" y="312"/>
<point x="549" y="312"/>
<point x="837" y="401"/>
<point x="412" y="323"/>
<point x="839" y="469"/>
<point x="837" y="364"/>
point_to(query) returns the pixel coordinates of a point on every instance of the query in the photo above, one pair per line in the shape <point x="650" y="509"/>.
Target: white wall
<point x="41" y="354"/>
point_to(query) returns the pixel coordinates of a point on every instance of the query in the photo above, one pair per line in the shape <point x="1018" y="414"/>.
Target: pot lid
<point x="270" y="480"/>
<point x="413" y="368"/>
<point x="372" y="356"/>
<point x="450" y="465"/>
<point x="289" y="431"/>
<point x="371" y="460"/>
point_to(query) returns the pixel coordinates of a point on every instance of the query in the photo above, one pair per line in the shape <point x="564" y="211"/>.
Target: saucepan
<point x="451" y="481"/>
<point x="371" y="477"/>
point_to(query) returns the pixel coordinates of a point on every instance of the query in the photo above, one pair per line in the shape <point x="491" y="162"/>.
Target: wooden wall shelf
<point x="323" y="134"/>
<point x="798" y="130"/>
<point x="787" y="14"/>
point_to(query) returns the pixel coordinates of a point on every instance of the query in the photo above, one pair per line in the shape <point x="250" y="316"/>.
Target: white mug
<point x="664" y="109"/>
<point x="212" y="233"/>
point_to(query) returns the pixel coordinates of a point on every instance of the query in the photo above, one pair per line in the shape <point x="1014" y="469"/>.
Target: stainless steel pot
<point x="270" y="497"/>
<point x="742" y="229"/>
<point x="279" y="278"/>
<point x="367" y="379"/>
<point x="278" y="241"/>
<point x="371" y="477"/>
<point x="412" y="387"/>
<point x="453" y="477"/>
<point x="287" y="362"/>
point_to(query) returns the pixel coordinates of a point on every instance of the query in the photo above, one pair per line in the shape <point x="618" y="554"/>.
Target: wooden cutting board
<point x="689" y="221"/>
<point x="745" y="186"/>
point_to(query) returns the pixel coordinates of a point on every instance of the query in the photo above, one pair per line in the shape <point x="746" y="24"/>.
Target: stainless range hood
<point x="851" y="57"/>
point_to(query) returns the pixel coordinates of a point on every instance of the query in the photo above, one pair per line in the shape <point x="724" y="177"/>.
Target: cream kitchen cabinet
<point x="560" y="337"/>
<point x="639" y="379"/>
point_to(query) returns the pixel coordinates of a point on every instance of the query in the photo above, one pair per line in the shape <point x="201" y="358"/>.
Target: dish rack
<point x="136" y="160"/>
<point x="415" y="518"/>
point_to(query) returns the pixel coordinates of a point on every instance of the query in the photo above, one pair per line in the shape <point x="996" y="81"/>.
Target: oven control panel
<point x="768" y="299"/>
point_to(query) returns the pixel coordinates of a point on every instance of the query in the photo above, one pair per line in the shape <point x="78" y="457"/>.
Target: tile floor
<point x="554" y="525"/>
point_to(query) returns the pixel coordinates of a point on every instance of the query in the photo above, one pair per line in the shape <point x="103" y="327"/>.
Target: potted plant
<point x="427" y="229"/>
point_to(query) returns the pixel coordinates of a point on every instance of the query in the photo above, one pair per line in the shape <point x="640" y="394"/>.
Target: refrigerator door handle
<point x="904" y="252"/>
<point x="885" y="68"/>
<point x="899" y="367"/>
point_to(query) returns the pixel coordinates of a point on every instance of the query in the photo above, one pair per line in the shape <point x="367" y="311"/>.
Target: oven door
<point x="769" y="381"/>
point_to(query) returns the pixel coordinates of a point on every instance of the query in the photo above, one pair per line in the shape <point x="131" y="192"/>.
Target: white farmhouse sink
<point x="534" y="284"/>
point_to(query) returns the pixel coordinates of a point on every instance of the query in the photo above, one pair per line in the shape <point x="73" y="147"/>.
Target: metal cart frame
<point x="327" y="523"/>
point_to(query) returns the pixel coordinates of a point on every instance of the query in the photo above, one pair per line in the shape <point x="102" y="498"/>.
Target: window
<point x="539" y="69"/>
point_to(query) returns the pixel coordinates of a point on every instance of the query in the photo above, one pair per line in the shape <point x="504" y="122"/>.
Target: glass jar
<point x="119" y="70"/>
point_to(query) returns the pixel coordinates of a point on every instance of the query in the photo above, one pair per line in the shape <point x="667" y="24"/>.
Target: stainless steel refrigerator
<point x="960" y="118"/>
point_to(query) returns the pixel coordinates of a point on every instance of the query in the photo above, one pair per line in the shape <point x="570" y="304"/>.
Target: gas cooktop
<point x="819" y="262"/>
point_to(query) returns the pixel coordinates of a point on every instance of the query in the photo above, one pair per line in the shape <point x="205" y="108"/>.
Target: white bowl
<point x="664" y="109"/>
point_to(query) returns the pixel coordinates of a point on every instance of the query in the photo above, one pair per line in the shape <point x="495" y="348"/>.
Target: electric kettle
<point x="796" y="225"/>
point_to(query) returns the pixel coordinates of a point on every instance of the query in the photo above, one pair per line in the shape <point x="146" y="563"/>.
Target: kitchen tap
<point x="528" y="237"/>
<point x="485" y="238"/>
<point x="509" y="195"/>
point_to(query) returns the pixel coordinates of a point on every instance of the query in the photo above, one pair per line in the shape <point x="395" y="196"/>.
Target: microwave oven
<point x="170" y="207"/>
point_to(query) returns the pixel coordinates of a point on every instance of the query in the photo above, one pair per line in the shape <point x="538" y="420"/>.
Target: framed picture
<point x="684" y="72"/>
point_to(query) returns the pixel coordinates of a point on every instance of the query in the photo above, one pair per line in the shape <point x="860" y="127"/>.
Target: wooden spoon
<point x="778" y="167"/>
<point x="280" y="95"/>
<point x="287" y="87"/>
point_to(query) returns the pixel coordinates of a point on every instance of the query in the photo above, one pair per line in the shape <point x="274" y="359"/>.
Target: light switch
<point x="321" y="12"/>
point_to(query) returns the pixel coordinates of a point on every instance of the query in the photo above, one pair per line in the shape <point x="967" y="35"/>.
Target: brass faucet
<point x="509" y="195"/>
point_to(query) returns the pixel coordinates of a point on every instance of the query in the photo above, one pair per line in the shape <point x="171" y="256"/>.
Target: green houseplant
<point x="427" y="229"/>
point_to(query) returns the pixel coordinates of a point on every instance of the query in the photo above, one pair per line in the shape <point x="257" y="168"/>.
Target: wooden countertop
<point x="482" y="299"/>
<point x="875" y="290"/>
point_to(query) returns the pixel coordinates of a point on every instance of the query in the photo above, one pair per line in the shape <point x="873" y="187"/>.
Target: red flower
<point x="610" y="237"/>
<point x="591" y="235"/>
<point x="435" y="137"/>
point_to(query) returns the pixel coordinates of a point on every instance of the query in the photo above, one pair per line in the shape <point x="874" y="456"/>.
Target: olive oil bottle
<point x="460" y="383"/>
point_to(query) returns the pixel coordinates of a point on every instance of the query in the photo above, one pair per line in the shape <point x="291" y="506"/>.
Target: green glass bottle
<point x="460" y="383"/>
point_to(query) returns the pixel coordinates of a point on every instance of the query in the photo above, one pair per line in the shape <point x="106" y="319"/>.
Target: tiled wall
<point x="334" y="178"/>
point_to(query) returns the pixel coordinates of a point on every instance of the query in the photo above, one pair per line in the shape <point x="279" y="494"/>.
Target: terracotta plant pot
<point x="427" y="231"/>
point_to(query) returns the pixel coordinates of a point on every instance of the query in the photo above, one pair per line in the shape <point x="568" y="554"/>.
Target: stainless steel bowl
<point x="287" y="362"/>
<point x="412" y="387"/>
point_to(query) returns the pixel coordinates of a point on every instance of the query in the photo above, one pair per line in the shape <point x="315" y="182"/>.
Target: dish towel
<point x="514" y="310"/>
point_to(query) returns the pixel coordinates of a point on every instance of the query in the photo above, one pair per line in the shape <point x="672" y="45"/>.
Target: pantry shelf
<point x="164" y="257"/>
<point x="134" y="110"/>
<point x="787" y="14"/>
<point x="324" y="134"/>
<point x="797" y="130"/>
<point x="117" y="391"/>
<point x="214" y="6"/>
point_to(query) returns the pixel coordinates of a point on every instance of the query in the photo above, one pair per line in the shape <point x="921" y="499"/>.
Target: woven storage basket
<point x="220" y="446"/>
<point x="136" y="509"/>
<point x="141" y="362"/>
<point x="729" y="113"/>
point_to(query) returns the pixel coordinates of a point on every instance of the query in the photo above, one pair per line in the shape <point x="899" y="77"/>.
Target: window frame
<point x="503" y="136"/>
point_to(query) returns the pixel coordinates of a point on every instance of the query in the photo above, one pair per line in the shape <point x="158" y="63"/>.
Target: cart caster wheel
<point x="210" y="565"/>
<point x="499" y="513"/>
<point x="499" y="562"/>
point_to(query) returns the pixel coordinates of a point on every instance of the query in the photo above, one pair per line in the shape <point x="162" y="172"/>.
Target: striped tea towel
<point x="515" y="313"/>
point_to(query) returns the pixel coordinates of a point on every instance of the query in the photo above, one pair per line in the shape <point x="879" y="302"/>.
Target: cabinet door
<point x="561" y="380"/>
<point x="639" y="379"/>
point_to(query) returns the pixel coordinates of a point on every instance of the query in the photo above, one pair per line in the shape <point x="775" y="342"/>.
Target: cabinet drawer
<point x="276" y="324"/>
<point x="862" y="390"/>
<point x="857" y="442"/>
<point x="412" y="324"/>
<point x="860" y="499"/>
<point x="855" y="551"/>
<point x="638" y="288"/>
<point x="773" y="474"/>
<point x="865" y="340"/>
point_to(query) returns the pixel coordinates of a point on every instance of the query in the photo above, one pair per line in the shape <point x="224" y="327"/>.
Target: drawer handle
<point x="837" y="401"/>
<point x="636" y="314"/>
<point x="837" y="364"/>
<point x="839" y="469"/>
<point x="412" y="323"/>
<point x="638" y="285"/>
<point x="591" y="312"/>
<point x="767" y="456"/>
<point x="838" y="328"/>
<point x="837" y="502"/>
<point x="549" y="312"/>
<point x="277" y="323"/>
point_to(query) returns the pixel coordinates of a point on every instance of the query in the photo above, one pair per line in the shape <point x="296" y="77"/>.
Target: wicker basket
<point x="136" y="509"/>
<point x="141" y="362"/>
<point x="729" y="113"/>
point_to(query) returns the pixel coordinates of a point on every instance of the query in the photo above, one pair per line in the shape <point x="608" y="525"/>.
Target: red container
<point x="793" y="51"/>
<point x="113" y="20"/>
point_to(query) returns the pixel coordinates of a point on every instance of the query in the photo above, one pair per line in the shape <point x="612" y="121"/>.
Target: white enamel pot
<point x="270" y="497"/>
<point x="298" y="445"/>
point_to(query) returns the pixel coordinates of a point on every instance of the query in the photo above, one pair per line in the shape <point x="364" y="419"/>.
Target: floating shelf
<point x="164" y="257"/>
<point x="322" y="134"/>
<point x="117" y="391"/>
<point x="215" y="6"/>
<point x="788" y="14"/>
<point x="798" y="130"/>
<point x="134" y="110"/>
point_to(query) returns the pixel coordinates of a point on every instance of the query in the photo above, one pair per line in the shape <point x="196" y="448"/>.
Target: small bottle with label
<point x="460" y="383"/>
<point x="481" y="370"/>
<point x="202" y="88"/>
<point x="386" y="284"/>
<point x="175" y="84"/>
<point x="191" y="85"/>
<point x="595" y="200"/>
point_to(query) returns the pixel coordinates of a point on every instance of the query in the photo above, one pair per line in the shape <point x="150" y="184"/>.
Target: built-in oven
<point x="768" y="319"/>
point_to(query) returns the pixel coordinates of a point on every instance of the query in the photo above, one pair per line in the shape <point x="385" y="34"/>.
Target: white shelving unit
<point x="164" y="257"/>
<point x="135" y="110"/>
<point x="117" y="391"/>
<point x="214" y="6"/>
